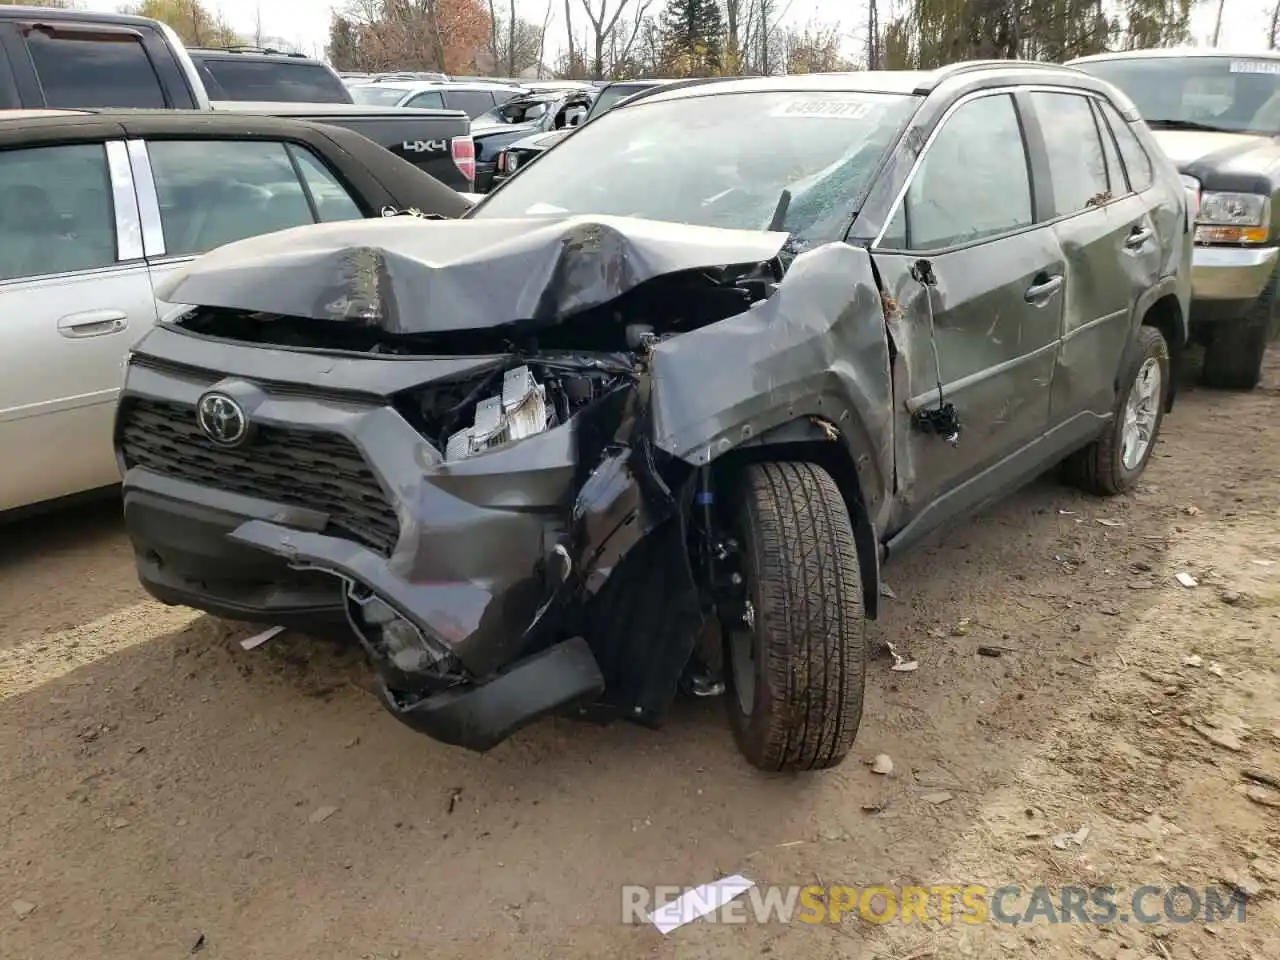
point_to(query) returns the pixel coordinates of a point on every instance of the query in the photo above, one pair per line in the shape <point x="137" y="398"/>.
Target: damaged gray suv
<point x="653" y="414"/>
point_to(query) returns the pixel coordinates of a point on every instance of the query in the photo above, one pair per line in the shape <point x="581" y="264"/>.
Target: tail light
<point x="464" y="156"/>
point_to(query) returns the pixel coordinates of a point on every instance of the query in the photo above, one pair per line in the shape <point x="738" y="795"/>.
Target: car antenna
<point x="780" y="212"/>
<point x="943" y="421"/>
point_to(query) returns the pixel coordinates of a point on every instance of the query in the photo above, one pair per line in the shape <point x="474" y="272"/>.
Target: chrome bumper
<point x="1231" y="273"/>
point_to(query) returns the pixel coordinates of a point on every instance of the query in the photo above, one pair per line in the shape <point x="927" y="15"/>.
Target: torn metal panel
<point x="406" y="275"/>
<point x="815" y="348"/>
<point x="991" y="346"/>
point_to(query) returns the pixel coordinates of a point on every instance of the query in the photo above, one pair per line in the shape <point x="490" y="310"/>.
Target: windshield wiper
<point x="1190" y="125"/>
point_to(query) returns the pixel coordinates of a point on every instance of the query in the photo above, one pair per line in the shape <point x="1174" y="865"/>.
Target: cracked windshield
<point x="722" y="161"/>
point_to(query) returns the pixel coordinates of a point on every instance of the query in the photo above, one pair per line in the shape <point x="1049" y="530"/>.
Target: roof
<point x="50" y="14"/>
<point x="247" y="53"/>
<point x="323" y="111"/>
<point x="8" y="115"/>
<point x="904" y="82"/>
<point x="639" y="82"/>
<point x="1179" y="53"/>
<point x="19" y="126"/>
<point x="413" y="86"/>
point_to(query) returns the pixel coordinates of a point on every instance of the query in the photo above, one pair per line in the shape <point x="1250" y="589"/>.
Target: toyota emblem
<point x="222" y="419"/>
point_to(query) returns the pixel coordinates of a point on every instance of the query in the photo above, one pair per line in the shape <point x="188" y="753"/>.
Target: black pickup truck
<point x="79" y="59"/>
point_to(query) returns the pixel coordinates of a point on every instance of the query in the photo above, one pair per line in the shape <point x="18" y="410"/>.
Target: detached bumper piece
<point x="422" y="681"/>
<point x="479" y="717"/>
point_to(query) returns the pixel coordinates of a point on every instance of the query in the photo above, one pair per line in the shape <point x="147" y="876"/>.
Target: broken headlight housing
<point x="519" y="411"/>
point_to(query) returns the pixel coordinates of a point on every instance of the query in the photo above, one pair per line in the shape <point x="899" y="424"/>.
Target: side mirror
<point x="575" y="120"/>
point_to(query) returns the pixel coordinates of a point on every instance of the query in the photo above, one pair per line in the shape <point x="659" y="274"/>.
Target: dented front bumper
<point x="337" y="502"/>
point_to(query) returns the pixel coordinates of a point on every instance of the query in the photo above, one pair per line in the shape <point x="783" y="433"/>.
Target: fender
<point x="850" y="458"/>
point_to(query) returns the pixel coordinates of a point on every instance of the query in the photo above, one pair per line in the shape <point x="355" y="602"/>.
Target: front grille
<point x="322" y="471"/>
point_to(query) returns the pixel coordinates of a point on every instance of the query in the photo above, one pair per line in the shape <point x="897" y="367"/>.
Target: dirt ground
<point x="166" y="792"/>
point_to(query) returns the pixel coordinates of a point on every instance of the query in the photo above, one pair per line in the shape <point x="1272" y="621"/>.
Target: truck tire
<point x="1233" y="356"/>
<point x="1110" y="465"/>
<point x="796" y="665"/>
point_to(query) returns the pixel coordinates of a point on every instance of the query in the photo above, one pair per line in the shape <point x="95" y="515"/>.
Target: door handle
<point x="1038" y="293"/>
<point x="1137" y="237"/>
<point x="93" y="323"/>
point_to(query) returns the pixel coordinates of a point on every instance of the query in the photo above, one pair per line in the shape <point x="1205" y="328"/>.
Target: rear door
<point x="970" y="209"/>
<point x="76" y="294"/>
<point x="1110" y="241"/>
<point x="199" y="194"/>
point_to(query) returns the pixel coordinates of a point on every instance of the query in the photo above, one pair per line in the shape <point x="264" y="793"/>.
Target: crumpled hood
<point x="408" y="275"/>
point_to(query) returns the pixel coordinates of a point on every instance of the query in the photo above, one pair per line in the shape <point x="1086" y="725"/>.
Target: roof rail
<point x="970" y="66"/>
<point x="248" y="48"/>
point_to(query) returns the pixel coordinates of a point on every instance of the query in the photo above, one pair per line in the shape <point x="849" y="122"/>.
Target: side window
<point x="974" y="181"/>
<point x="429" y="99"/>
<point x="1136" y="161"/>
<point x="1115" y="170"/>
<point x="331" y="198"/>
<point x="473" y="102"/>
<point x="1077" y="165"/>
<point x="213" y="192"/>
<point x="55" y="211"/>
<point x="109" y="70"/>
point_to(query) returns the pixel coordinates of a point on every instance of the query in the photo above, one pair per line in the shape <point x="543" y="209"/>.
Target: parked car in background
<point x="558" y="85"/>
<point x="521" y="117"/>
<point x="659" y="407"/>
<point x="1217" y="116"/>
<point x="523" y="152"/>
<point x="252" y="73"/>
<point x="474" y="99"/>
<point x="97" y="207"/>
<point x="437" y="142"/>
<point x="81" y="59"/>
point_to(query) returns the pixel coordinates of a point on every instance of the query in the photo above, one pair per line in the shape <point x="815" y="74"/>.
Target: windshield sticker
<point x="1255" y="66"/>
<point x="817" y="109"/>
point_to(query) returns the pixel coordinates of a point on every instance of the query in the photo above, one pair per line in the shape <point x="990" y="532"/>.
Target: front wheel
<point x="797" y="662"/>
<point x="1114" y="462"/>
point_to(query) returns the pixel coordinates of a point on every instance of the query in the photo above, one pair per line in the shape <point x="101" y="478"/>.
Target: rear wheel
<point x="797" y="661"/>
<point x="1114" y="462"/>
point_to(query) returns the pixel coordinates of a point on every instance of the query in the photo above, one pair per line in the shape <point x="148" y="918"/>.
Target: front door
<point x="997" y="311"/>
<point x="74" y="295"/>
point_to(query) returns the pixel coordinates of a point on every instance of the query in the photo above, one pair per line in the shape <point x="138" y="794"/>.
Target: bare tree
<point x="542" y="39"/>
<point x="568" y="29"/>
<point x="603" y="23"/>
<point x="1275" y="26"/>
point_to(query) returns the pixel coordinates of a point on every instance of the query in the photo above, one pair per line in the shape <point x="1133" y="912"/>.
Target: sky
<point x="305" y="23"/>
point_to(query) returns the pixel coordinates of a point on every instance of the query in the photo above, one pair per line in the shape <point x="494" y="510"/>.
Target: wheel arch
<point x="819" y="441"/>
<point x="1160" y="307"/>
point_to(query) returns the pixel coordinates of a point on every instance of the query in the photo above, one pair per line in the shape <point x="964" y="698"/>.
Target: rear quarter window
<point x="472" y="102"/>
<point x="271" y="80"/>
<point x="104" y="70"/>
